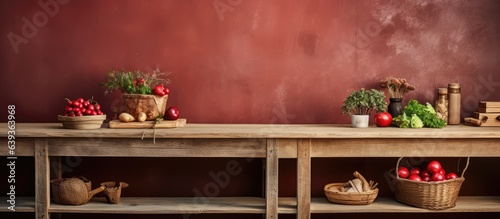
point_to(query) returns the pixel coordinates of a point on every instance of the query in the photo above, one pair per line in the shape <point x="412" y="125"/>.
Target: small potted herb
<point x="142" y="92"/>
<point x="360" y="104"/>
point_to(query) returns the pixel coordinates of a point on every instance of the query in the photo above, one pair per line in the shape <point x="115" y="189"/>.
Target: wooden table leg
<point x="42" y="178"/>
<point x="272" y="180"/>
<point x="304" y="179"/>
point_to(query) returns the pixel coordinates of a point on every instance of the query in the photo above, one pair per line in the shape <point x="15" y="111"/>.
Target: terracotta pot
<point x="152" y="105"/>
<point x="113" y="191"/>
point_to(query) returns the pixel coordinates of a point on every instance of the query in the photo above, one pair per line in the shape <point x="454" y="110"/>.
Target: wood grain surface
<point x="116" y="124"/>
<point x="257" y="131"/>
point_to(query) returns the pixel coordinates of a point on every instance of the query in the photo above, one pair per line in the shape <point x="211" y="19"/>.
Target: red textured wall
<point x="246" y="61"/>
<point x="255" y="61"/>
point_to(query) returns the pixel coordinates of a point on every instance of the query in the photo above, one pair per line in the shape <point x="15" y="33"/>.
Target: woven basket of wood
<point x="429" y="195"/>
<point x="340" y="194"/>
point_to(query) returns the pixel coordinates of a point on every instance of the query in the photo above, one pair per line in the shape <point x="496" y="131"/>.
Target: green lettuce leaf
<point x="425" y="113"/>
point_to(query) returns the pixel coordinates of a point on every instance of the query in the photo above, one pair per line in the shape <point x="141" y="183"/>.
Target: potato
<point x="142" y="117"/>
<point x="125" y="117"/>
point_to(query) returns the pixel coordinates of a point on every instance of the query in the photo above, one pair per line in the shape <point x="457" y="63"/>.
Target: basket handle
<point x="397" y="167"/>
<point x="458" y="165"/>
<point x="466" y="166"/>
<point x="366" y="186"/>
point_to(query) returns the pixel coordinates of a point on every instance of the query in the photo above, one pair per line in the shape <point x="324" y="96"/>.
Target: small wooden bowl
<point x="82" y="122"/>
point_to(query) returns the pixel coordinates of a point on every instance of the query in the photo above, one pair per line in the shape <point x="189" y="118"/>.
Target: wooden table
<point x="267" y="141"/>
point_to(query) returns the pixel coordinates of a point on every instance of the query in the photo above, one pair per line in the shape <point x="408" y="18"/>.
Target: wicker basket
<point x="334" y="195"/>
<point x="429" y="195"/>
<point x="152" y="105"/>
<point x="349" y="198"/>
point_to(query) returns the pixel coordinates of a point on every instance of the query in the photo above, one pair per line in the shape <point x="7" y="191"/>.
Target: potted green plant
<point x="360" y="104"/>
<point x="142" y="92"/>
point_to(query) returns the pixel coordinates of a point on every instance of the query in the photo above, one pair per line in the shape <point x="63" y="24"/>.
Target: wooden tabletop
<point x="256" y="131"/>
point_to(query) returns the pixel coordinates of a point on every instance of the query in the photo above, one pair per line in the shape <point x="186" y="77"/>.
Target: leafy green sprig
<point x="133" y="82"/>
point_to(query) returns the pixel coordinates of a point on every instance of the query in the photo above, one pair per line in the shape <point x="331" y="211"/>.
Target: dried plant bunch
<point x="397" y="87"/>
<point x="134" y="82"/>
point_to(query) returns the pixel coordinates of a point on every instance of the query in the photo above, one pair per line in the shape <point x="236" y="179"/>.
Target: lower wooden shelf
<point x="245" y="205"/>
<point x="23" y="204"/>
<point x="389" y="205"/>
<point x="178" y="205"/>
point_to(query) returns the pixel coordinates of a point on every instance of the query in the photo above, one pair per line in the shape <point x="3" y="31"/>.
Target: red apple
<point x="434" y="166"/>
<point x="415" y="178"/>
<point x="403" y="172"/>
<point x="437" y="177"/>
<point x="451" y="176"/>
<point x="415" y="171"/>
<point x="426" y="178"/>
<point x="172" y="113"/>
<point x="426" y="174"/>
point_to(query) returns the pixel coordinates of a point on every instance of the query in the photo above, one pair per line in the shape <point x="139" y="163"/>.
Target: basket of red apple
<point x="427" y="186"/>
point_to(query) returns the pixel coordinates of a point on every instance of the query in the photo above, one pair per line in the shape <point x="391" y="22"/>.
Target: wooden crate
<point x="488" y="110"/>
<point x="488" y="104"/>
<point x="491" y="121"/>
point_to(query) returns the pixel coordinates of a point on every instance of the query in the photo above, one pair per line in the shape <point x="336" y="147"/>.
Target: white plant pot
<point x="360" y="121"/>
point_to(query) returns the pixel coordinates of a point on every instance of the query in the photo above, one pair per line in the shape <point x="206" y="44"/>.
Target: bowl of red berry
<point x="82" y="114"/>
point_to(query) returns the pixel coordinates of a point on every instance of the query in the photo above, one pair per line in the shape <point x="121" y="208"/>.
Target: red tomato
<point x="85" y="103"/>
<point x="383" y="119"/>
<point x="437" y="177"/>
<point x="166" y="91"/>
<point x="403" y="172"/>
<point x="415" y="171"/>
<point x="442" y="172"/>
<point x="434" y="167"/>
<point x="451" y="176"/>
<point x="415" y="178"/>
<point x="77" y="104"/>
